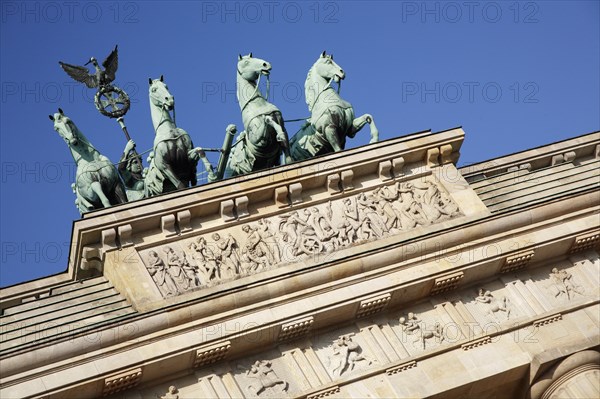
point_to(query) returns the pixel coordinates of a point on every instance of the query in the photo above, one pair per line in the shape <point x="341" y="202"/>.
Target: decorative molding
<point x="167" y="224"/>
<point x="385" y="170"/>
<point x="324" y="393"/>
<point x="446" y="283"/>
<point x="373" y="305"/>
<point x="547" y="320"/>
<point x="585" y="241"/>
<point x="333" y="183"/>
<point x="184" y="219"/>
<point x="433" y="157"/>
<point x="347" y="176"/>
<point x="121" y="381"/>
<point x="109" y="240"/>
<point x="400" y="368"/>
<point x="211" y="354"/>
<point x="295" y="193"/>
<point x="227" y="208"/>
<point x="295" y="329"/>
<point x="281" y="197"/>
<point x="476" y="343"/>
<point x="517" y="261"/>
<point x="125" y="233"/>
<point x="247" y="249"/>
<point x="241" y="207"/>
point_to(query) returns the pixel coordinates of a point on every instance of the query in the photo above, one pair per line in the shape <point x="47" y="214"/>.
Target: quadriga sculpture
<point x="174" y="161"/>
<point x="332" y="118"/>
<point x="260" y="145"/>
<point x="97" y="183"/>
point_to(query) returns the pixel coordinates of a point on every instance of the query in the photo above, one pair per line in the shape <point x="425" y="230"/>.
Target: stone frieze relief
<point x="239" y="251"/>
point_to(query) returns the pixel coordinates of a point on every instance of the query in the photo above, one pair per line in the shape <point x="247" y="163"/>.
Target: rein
<point x="256" y="93"/>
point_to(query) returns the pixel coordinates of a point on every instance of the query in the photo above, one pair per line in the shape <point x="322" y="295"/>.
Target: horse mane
<point x="309" y="93"/>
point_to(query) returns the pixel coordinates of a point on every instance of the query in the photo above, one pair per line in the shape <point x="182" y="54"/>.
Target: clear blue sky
<point x="515" y="75"/>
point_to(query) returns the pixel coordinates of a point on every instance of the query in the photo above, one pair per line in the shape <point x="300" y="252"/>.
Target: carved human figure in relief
<point x="493" y="305"/>
<point x="172" y="393"/>
<point x="206" y="260"/>
<point x="372" y="222"/>
<point x="411" y="213"/>
<point x="291" y="226"/>
<point x="346" y="353"/>
<point x="228" y="255"/>
<point x="563" y="284"/>
<point x="176" y="269"/>
<point x="163" y="279"/>
<point x="263" y="372"/>
<point x="425" y="334"/>
<point x="350" y="227"/>
<point x="256" y="252"/>
<point x="410" y="323"/>
<point x="264" y="229"/>
<point x="320" y="225"/>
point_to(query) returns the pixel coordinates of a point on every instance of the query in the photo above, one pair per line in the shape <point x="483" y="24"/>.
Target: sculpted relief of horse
<point x="264" y="139"/>
<point x="97" y="183"/>
<point x="332" y="118"/>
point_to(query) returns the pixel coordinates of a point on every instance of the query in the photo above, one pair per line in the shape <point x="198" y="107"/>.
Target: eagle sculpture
<point x="101" y="77"/>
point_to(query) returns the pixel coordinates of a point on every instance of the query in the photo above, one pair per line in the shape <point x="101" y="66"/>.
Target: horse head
<point x="159" y="94"/>
<point x="65" y="128"/>
<point x="251" y="68"/>
<point x="328" y="69"/>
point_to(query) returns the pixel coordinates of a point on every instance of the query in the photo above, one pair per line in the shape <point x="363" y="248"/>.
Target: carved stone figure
<point x="265" y="377"/>
<point x="411" y="323"/>
<point x="205" y="260"/>
<point x="493" y="305"/>
<point x="174" y="160"/>
<point x="256" y="249"/>
<point x="172" y="393"/>
<point x="332" y="118"/>
<point x="316" y="229"/>
<point x="97" y="183"/>
<point x="373" y="223"/>
<point x="563" y="284"/>
<point x="228" y="255"/>
<point x="175" y="269"/>
<point x="346" y="353"/>
<point x="437" y="332"/>
<point x="163" y="279"/>
<point x="264" y="139"/>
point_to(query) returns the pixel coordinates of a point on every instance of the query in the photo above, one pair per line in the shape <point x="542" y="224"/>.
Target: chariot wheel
<point x="112" y="101"/>
<point x="311" y="245"/>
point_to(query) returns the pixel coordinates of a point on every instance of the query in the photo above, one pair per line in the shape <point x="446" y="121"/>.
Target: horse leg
<point x="282" y="137"/>
<point x="97" y="188"/>
<point x="331" y="135"/>
<point x="359" y="123"/>
<point x="120" y="194"/>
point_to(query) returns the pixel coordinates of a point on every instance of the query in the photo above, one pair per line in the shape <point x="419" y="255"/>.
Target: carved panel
<point x="373" y="305"/>
<point x="476" y="343"/>
<point x="263" y="378"/>
<point x="251" y="248"/>
<point x="446" y="283"/>
<point x="295" y="329"/>
<point x="211" y="354"/>
<point x="324" y="393"/>
<point x="119" y="382"/>
<point x="400" y="368"/>
<point x="517" y="261"/>
<point x="586" y="241"/>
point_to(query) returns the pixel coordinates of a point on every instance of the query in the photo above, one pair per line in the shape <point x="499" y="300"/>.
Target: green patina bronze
<point x="332" y="118"/>
<point x="174" y="159"/>
<point x="97" y="183"/>
<point x="264" y="138"/>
